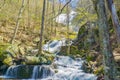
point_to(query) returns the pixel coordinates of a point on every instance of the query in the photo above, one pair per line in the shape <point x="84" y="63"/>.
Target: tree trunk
<point x="68" y="24"/>
<point x="42" y="28"/>
<point x="109" y="66"/>
<point x="115" y="19"/>
<point x="17" y="22"/>
<point x="28" y="11"/>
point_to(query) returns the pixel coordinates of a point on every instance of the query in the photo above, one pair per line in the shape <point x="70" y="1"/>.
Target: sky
<point x="73" y="3"/>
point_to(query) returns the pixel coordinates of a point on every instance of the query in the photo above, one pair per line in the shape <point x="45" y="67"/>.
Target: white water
<point x="62" y="19"/>
<point x="35" y="72"/>
<point x="55" y="46"/>
<point x="63" y="68"/>
<point x="11" y="72"/>
<point x="41" y="72"/>
<point x="69" y="69"/>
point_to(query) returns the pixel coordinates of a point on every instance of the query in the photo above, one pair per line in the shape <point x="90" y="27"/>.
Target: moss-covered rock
<point x="49" y="58"/>
<point x="46" y="58"/>
<point x="3" y="47"/>
<point x="32" y="60"/>
<point x="8" y="61"/>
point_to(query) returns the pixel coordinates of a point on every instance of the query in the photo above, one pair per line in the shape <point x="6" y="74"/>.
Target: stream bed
<point x="62" y="68"/>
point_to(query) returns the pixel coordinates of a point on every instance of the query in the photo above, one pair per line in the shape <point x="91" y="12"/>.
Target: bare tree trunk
<point x="47" y="17"/>
<point x="115" y="19"/>
<point x="68" y="19"/>
<point x="53" y="11"/>
<point x="53" y="14"/>
<point x="17" y="22"/>
<point x="42" y="28"/>
<point x="50" y="22"/>
<point x="108" y="59"/>
<point x="28" y="11"/>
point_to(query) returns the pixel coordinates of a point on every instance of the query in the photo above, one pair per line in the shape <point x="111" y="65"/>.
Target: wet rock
<point x="86" y="67"/>
<point x="19" y="71"/>
<point x="29" y="71"/>
<point x="3" y="68"/>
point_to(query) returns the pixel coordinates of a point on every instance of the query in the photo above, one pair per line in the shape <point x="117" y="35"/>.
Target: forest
<point x="59" y="39"/>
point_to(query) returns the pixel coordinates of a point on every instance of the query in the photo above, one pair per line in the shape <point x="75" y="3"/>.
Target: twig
<point x="60" y="10"/>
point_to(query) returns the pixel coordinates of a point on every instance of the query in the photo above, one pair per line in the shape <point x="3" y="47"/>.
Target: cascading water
<point x="35" y="72"/>
<point x="42" y="72"/>
<point x="10" y="72"/>
<point x="62" y="68"/>
<point x="69" y="69"/>
<point x="27" y="72"/>
<point x="65" y="68"/>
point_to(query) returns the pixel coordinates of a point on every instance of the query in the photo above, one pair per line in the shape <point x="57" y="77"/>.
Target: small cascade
<point x="11" y="72"/>
<point x="19" y="71"/>
<point x="54" y="46"/>
<point x="27" y="72"/>
<point x="35" y="72"/>
<point x="40" y="72"/>
<point x="69" y="69"/>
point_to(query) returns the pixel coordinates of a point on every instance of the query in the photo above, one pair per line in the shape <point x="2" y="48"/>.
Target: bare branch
<point x="60" y="10"/>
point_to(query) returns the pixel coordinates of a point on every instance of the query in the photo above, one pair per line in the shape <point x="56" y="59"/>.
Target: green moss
<point x="46" y="58"/>
<point x="3" y="47"/>
<point x="32" y="60"/>
<point x="99" y="70"/>
<point x="8" y="61"/>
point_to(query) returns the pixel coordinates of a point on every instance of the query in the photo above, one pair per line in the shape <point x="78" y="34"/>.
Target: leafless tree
<point x="17" y="22"/>
<point x="115" y="19"/>
<point x="42" y="28"/>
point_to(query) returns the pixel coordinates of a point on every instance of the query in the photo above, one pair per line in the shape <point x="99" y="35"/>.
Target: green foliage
<point x="74" y="51"/>
<point x="8" y="61"/>
<point x="3" y="47"/>
<point x="99" y="70"/>
<point x="14" y="50"/>
<point x="81" y="30"/>
<point x="89" y="58"/>
<point x="83" y="16"/>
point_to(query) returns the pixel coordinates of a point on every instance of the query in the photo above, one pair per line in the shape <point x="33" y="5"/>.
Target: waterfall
<point x="41" y="72"/>
<point x="29" y="71"/>
<point x="69" y="69"/>
<point x="54" y="46"/>
<point x="62" y="68"/>
<point x="10" y="72"/>
<point x="35" y="72"/>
